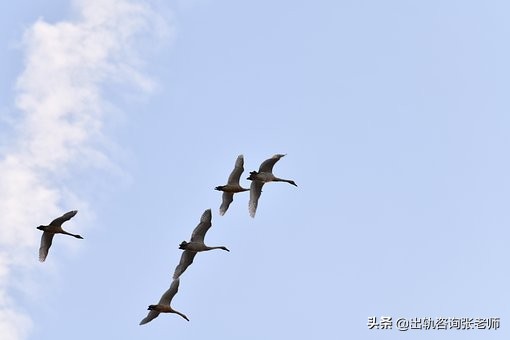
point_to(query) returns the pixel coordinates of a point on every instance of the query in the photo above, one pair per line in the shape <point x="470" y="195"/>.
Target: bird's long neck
<point x="276" y="179"/>
<point x="179" y="313"/>
<point x="217" y="247"/>
<point x="68" y="233"/>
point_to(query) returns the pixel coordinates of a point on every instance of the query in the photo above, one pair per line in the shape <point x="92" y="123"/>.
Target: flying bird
<point x="196" y="244"/>
<point x="163" y="305"/>
<point x="232" y="185"/>
<point x="264" y="175"/>
<point x="55" y="227"/>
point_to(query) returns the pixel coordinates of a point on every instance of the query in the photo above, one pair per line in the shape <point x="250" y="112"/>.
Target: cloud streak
<point x="59" y="96"/>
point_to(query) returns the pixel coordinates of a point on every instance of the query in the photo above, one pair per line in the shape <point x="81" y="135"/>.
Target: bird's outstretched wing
<point x="150" y="316"/>
<point x="227" y="198"/>
<point x="186" y="259"/>
<point x="235" y="175"/>
<point x="267" y="165"/>
<point x="46" y="240"/>
<point x="167" y="296"/>
<point x="66" y="217"/>
<point x="199" y="232"/>
<point x="255" y="192"/>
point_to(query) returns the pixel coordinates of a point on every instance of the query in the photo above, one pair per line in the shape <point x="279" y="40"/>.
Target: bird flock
<point x="196" y="243"/>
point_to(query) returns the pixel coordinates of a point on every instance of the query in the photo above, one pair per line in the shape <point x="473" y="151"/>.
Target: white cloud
<point x="59" y="94"/>
<point x="14" y="325"/>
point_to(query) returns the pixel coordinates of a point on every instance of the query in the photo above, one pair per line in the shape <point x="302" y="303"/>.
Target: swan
<point x="163" y="305"/>
<point x="264" y="175"/>
<point x="232" y="185"/>
<point x="196" y="244"/>
<point x="55" y="227"/>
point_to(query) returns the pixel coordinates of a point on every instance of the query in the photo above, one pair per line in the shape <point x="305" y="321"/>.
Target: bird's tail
<point x="253" y="175"/>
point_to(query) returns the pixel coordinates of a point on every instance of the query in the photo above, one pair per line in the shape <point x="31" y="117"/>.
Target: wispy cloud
<point x="61" y="105"/>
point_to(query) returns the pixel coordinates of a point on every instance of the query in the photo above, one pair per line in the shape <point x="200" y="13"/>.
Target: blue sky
<point x="394" y="117"/>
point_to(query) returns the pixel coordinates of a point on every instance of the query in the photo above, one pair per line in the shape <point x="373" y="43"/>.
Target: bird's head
<point x="41" y="227"/>
<point x="151" y="307"/>
<point x="183" y="245"/>
<point x="219" y="188"/>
